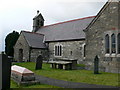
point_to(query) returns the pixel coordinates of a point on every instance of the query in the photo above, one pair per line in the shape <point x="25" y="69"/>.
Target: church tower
<point x="38" y="21"/>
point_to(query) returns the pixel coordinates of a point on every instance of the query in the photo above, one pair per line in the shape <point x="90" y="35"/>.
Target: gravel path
<point x="68" y="84"/>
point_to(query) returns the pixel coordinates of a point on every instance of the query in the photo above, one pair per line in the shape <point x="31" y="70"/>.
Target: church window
<point x="107" y="45"/>
<point x="71" y="53"/>
<point x="118" y="44"/>
<point x="58" y="50"/>
<point x="84" y="54"/>
<point x="113" y="43"/>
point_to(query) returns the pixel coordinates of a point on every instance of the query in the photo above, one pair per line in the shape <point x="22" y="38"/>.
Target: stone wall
<point x="36" y="52"/>
<point x="21" y="44"/>
<point x="70" y="49"/>
<point x="106" y="22"/>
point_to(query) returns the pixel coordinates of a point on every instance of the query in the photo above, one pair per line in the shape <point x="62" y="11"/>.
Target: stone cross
<point x="96" y="65"/>
<point x="39" y="62"/>
<point x="5" y="72"/>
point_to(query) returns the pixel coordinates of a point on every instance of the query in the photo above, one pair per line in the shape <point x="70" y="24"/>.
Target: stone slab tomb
<point x="22" y="75"/>
<point x="61" y="65"/>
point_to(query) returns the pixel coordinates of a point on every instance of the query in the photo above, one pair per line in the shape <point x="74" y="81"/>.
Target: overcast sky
<point x="18" y="14"/>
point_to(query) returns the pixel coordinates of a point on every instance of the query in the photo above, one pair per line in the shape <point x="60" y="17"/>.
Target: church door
<point x="20" y="55"/>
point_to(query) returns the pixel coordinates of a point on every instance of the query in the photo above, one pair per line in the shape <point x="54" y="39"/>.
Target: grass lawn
<point x="14" y="85"/>
<point x="83" y="76"/>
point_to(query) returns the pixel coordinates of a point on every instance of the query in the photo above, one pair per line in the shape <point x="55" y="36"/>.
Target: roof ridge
<point x="68" y="21"/>
<point x="98" y="14"/>
<point x="32" y="32"/>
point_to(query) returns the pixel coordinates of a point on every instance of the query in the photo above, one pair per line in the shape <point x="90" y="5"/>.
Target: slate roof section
<point x="69" y="30"/>
<point x="34" y="40"/>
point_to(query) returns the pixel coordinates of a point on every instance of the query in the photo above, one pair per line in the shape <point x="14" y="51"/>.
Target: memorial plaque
<point x="39" y="62"/>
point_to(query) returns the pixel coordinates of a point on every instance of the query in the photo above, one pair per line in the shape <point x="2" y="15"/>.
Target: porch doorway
<point x="20" y="55"/>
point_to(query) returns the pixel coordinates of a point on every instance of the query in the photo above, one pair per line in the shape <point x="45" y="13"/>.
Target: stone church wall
<point x="95" y="39"/>
<point x="70" y="49"/>
<point x="36" y="52"/>
<point x="21" y="44"/>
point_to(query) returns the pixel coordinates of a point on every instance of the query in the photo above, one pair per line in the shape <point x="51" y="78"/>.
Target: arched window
<point x="84" y="53"/>
<point x="58" y="50"/>
<point x="118" y="44"/>
<point x="107" y="44"/>
<point x="113" y="43"/>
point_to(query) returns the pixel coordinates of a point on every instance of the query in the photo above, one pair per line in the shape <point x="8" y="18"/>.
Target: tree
<point x="10" y="41"/>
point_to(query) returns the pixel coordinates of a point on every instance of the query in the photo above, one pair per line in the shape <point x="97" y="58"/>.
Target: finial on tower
<point x="37" y="11"/>
<point x="38" y="21"/>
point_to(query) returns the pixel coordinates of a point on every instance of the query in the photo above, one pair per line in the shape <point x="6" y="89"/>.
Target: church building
<point x="80" y="39"/>
<point x="103" y="38"/>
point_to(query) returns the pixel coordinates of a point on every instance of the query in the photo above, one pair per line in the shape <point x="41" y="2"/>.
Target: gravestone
<point x="39" y="62"/>
<point x="22" y="75"/>
<point x="96" y="65"/>
<point x="5" y="72"/>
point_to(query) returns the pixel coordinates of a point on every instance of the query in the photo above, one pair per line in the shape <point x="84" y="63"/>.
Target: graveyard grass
<point x="14" y="85"/>
<point x="83" y="76"/>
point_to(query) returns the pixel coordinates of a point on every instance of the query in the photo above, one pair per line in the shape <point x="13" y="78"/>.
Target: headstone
<point x="39" y="62"/>
<point x="5" y="72"/>
<point x="96" y="65"/>
<point x="22" y="75"/>
<point x="10" y="58"/>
